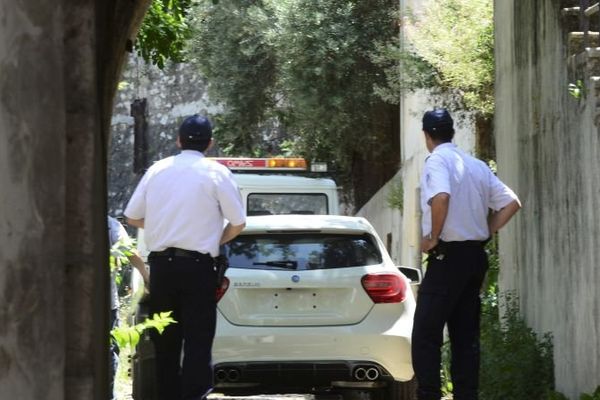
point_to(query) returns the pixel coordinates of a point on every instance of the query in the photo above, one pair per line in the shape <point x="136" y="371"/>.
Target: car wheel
<point x="401" y="390"/>
<point x="143" y="371"/>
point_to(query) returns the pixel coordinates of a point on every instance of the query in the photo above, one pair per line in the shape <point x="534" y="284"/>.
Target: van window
<point x="287" y="203"/>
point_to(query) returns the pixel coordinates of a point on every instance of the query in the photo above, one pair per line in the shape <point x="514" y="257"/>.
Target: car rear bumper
<point x="375" y="340"/>
<point x="247" y="378"/>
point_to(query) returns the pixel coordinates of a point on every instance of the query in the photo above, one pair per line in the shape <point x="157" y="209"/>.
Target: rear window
<point x="302" y="251"/>
<point x="287" y="203"/>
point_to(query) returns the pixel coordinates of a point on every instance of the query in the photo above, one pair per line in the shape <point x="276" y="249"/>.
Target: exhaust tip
<point x="233" y="375"/>
<point x="221" y="375"/>
<point x="372" y="373"/>
<point x="360" y="374"/>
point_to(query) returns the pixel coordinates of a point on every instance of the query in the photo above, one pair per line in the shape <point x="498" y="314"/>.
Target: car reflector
<point x="222" y="289"/>
<point x="384" y="288"/>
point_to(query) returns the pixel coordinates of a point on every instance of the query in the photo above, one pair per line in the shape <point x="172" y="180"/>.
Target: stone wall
<point x="547" y="150"/>
<point x="171" y="95"/>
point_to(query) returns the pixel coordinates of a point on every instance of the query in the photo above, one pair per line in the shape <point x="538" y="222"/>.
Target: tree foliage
<point x="299" y="76"/>
<point x="449" y="46"/>
<point x="233" y="47"/>
<point x="304" y="63"/>
<point x="164" y="32"/>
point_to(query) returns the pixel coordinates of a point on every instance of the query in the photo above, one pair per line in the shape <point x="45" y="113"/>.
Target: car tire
<point x="401" y="390"/>
<point x="143" y="371"/>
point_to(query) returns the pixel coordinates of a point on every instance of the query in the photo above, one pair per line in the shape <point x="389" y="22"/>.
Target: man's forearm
<point x="138" y="223"/>
<point x="498" y="219"/>
<point x="230" y="232"/>
<point x="439" y="211"/>
<point x="139" y="264"/>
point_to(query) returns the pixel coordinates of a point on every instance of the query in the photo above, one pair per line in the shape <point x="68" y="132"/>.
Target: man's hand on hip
<point x="428" y="243"/>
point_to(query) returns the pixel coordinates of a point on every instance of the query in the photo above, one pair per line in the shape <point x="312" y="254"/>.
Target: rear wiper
<point x="279" y="264"/>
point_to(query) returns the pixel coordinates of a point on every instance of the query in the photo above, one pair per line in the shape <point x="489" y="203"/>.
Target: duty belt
<point x="176" y="252"/>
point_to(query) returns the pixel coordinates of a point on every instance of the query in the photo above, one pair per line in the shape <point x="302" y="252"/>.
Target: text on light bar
<point x="283" y="164"/>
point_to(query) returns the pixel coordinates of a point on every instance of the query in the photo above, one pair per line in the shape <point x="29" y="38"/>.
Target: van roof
<point x="282" y="181"/>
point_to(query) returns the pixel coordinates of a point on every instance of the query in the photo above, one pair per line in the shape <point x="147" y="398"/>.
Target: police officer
<point x="463" y="204"/>
<point x="117" y="233"/>
<point x="182" y="203"/>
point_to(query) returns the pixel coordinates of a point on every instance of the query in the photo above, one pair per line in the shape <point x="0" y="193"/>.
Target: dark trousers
<point x="187" y="287"/>
<point x="114" y="353"/>
<point x="449" y="294"/>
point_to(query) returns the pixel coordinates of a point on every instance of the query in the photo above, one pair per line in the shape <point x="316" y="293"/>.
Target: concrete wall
<point x="32" y="209"/>
<point x="59" y="62"/>
<point x="548" y="151"/>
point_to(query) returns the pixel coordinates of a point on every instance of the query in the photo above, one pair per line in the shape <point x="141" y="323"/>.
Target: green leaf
<point x="129" y="336"/>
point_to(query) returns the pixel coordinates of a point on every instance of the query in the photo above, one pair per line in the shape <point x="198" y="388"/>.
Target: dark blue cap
<point x="437" y="118"/>
<point x="196" y="129"/>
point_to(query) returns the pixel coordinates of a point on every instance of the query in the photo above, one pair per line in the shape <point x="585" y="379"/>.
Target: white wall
<point x="548" y="151"/>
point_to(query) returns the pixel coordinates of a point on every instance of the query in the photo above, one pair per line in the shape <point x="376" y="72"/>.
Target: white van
<point x="281" y="188"/>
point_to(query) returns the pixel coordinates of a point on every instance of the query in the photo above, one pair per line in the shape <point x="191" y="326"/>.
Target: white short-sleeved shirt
<point x="473" y="190"/>
<point x="116" y="232"/>
<point x="184" y="201"/>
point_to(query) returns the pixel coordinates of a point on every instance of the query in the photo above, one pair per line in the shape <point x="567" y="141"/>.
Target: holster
<point x="221" y="265"/>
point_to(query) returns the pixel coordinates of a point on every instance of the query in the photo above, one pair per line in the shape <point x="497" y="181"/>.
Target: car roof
<point x="322" y="223"/>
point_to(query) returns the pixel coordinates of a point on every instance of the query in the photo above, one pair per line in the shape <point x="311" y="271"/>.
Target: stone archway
<point x="59" y="64"/>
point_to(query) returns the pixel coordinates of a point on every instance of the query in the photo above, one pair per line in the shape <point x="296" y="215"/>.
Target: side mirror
<point x="414" y="274"/>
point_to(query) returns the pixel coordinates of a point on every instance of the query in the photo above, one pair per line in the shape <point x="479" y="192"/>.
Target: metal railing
<point x="585" y="26"/>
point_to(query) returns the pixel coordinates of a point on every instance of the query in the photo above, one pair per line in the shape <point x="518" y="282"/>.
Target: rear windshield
<point x="302" y="251"/>
<point x="287" y="203"/>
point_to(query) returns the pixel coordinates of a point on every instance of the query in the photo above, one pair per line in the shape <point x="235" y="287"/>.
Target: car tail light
<point x="385" y="288"/>
<point x="222" y="289"/>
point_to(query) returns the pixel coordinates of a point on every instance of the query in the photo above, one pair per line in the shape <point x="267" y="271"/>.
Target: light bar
<point x="280" y="164"/>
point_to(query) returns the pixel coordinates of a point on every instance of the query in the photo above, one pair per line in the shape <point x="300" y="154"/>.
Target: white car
<point x="313" y="304"/>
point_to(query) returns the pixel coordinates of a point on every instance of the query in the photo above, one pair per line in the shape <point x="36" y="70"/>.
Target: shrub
<point x="516" y="363"/>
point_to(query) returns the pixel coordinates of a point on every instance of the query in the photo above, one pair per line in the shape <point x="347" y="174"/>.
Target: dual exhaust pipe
<point x="366" y="373"/>
<point x="361" y="374"/>
<point x="227" y="375"/>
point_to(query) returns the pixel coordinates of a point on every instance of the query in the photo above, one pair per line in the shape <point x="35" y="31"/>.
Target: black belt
<point x="465" y="243"/>
<point x="175" y="252"/>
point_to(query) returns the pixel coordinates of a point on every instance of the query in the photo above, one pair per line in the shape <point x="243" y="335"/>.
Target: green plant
<point x="120" y="252"/>
<point x="164" y="32"/>
<point x="297" y="76"/>
<point x="395" y="197"/>
<point x="516" y="363"/>
<point x="591" y="396"/>
<point x="447" y="385"/>
<point x="577" y="89"/>
<point x="126" y="335"/>
<point x="552" y="395"/>
<point x="129" y="336"/>
<point x="449" y="48"/>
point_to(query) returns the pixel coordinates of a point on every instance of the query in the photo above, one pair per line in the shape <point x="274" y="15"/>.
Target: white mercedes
<point x="314" y="304"/>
